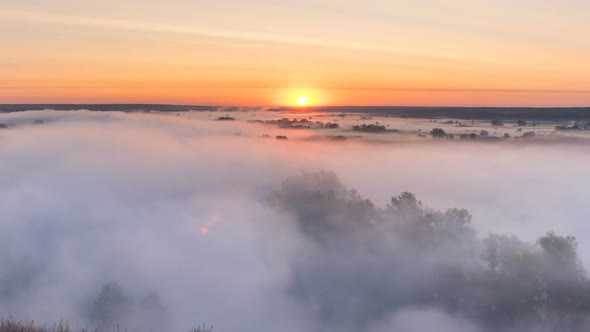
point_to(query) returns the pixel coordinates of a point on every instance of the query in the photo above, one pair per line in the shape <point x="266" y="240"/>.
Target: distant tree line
<point x="574" y="126"/>
<point x="225" y="118"/>
<point x="371" y="128"/>
<point x="299" y="123"/>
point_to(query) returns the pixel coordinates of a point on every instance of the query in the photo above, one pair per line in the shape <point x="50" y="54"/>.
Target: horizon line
<point x="285" y="106"/>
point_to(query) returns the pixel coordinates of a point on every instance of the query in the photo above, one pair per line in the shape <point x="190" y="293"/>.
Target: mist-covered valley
<point x="162" y="221"/>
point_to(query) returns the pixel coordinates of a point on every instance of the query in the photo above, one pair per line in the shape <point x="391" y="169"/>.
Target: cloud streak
<point x="335" y="88"/>
<point x="244" y="36"/>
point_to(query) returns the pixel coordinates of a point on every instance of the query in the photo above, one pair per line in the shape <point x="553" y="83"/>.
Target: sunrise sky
<point x="271" y="52"/>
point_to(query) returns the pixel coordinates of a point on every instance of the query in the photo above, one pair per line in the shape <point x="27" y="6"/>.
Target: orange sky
<point x="263" y="52"/>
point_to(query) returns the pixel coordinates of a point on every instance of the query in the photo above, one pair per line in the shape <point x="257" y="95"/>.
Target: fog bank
<point x="166" y="222"/>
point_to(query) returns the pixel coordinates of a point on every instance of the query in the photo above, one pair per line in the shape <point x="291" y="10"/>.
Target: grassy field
<point x="12" y="325"/>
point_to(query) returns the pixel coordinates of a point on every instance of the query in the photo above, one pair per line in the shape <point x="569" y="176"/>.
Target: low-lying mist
<point x="164" y="222"/>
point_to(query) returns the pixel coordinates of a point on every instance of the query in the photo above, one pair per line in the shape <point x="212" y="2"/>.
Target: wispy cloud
<point x="264" y="87"/>
<point x="246" y="36"/>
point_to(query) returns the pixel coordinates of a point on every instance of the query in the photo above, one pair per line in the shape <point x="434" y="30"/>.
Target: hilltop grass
<point x="11" y="325"/>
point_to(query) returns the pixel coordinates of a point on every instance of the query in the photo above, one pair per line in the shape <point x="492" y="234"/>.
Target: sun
<point x="302" y="100"/>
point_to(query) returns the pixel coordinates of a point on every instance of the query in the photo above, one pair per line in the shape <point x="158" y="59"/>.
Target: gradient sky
<point x="268" y="52"/>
